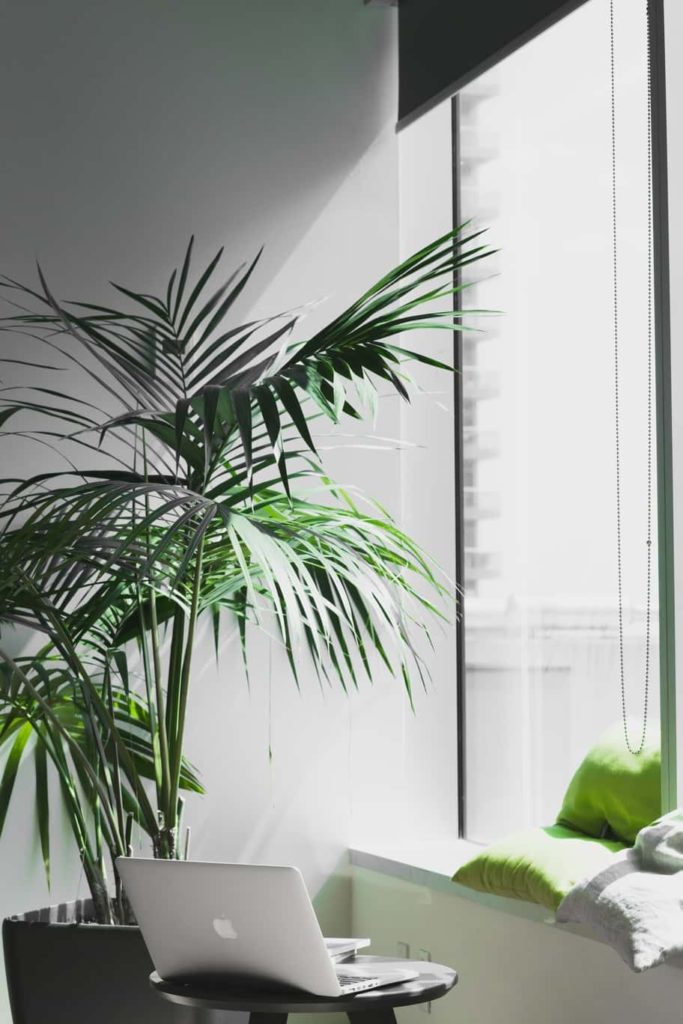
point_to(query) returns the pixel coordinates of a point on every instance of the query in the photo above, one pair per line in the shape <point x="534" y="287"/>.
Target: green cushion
<point x="539" y="865"/>
<point x="614" y="791"/>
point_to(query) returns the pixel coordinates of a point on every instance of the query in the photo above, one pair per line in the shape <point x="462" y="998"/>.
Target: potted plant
<point x="191" y="486"/>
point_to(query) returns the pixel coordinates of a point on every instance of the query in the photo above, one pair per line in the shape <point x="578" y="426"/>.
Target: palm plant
<point x="46" y="715"/>
<point x="191" y="485"/>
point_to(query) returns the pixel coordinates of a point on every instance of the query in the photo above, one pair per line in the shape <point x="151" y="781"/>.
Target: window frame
<point x="665" y="440"/>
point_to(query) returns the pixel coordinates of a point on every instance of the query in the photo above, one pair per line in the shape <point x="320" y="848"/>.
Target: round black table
<point x="375" y="1006"/>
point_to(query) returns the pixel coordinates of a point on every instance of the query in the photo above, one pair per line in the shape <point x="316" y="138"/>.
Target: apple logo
<point x="224" y="927"/>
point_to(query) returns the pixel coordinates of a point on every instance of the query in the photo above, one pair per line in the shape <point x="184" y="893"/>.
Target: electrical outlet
<point x="403" y="950"/>
<point x="424" y="954"/>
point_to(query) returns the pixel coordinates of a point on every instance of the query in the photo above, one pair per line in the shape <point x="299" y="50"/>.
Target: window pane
<point x="542" y="653"/>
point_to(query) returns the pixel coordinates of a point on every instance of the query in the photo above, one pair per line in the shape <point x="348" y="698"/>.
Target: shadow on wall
<point x="135" y="124"/>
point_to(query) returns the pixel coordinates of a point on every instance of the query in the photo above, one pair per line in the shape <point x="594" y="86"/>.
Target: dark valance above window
<point x="443" y="44"/>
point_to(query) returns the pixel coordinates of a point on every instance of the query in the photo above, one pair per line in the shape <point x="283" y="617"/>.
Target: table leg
<point x="378" y="1015"/>
<point x="267" y="1018"/>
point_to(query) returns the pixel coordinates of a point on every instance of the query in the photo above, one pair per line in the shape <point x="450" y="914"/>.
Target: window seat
<point x="432" y="864"/>
<point x="429" y="865"/>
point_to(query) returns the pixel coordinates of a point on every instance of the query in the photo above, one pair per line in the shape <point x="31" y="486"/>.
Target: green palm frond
<point x="27" y="731"/>
<point x="196" y="389"/>
<point x="190" y="484"/>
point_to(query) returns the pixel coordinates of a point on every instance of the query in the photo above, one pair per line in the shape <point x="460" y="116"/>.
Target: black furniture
<point x="375" y="1006"/>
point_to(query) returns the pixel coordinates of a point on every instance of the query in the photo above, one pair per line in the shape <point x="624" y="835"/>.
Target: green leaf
<point x="197" y="290"/>
<point x="223" y="308"/>
<point x="182" y="280"/>
<point x="130" y="627"/>
<point x="6" y="413"/>
<point x="9" y="775"/>
<point x="271" y="418"/>
<point x="143" y="300"/>
<point x="169" y="292"/>
<point x="43" y="805"/>
<point x="242" y="407"/>
<point x="287" y="396"/>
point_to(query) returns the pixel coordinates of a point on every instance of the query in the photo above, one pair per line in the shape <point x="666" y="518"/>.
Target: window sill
<point x="432" y="864"/>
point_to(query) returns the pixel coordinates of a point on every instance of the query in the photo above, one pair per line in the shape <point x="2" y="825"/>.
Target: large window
<point x="541" y="650"/>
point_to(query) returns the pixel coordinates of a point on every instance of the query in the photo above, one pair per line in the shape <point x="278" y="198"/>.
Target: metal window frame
<point x="665" y="487"/>
<point x="663" y="398"/>
<point x="459" y="494"/>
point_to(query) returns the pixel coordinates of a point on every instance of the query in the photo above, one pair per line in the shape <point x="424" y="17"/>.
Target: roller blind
<point x="443" y="44"/>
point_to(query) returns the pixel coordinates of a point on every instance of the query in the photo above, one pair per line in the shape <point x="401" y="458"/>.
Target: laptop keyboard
<point x="354" y="979"/>
<point x="352" y="983"/>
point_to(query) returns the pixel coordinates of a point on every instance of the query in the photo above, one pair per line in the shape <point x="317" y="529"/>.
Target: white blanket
<point x="636" y="904"/>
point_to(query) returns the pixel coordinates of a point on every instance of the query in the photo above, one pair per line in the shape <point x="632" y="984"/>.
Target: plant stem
<point x="95" y="880"/>
<point x="174" y="669"/>
<point x="172" y="807"/>
<point x="116" y="763"/>
<point x="160" y="702"/>
<point x="147" y="674"/>
<point x="160" y="722"/>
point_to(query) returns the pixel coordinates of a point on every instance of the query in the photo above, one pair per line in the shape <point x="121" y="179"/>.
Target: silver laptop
<point x="253" y="923"/>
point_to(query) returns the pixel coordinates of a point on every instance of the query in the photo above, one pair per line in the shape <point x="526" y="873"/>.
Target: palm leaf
<point x="11" y="769"/>
<point x="208" y="495"/>
<point x="42" y="805"/>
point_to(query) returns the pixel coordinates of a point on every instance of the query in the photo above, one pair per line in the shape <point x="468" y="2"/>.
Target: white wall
<point x="125" y="127"/>
<point x="405" y="762"/>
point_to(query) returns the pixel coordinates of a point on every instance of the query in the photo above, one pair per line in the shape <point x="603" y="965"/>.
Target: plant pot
<point x="63" y="971"/>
